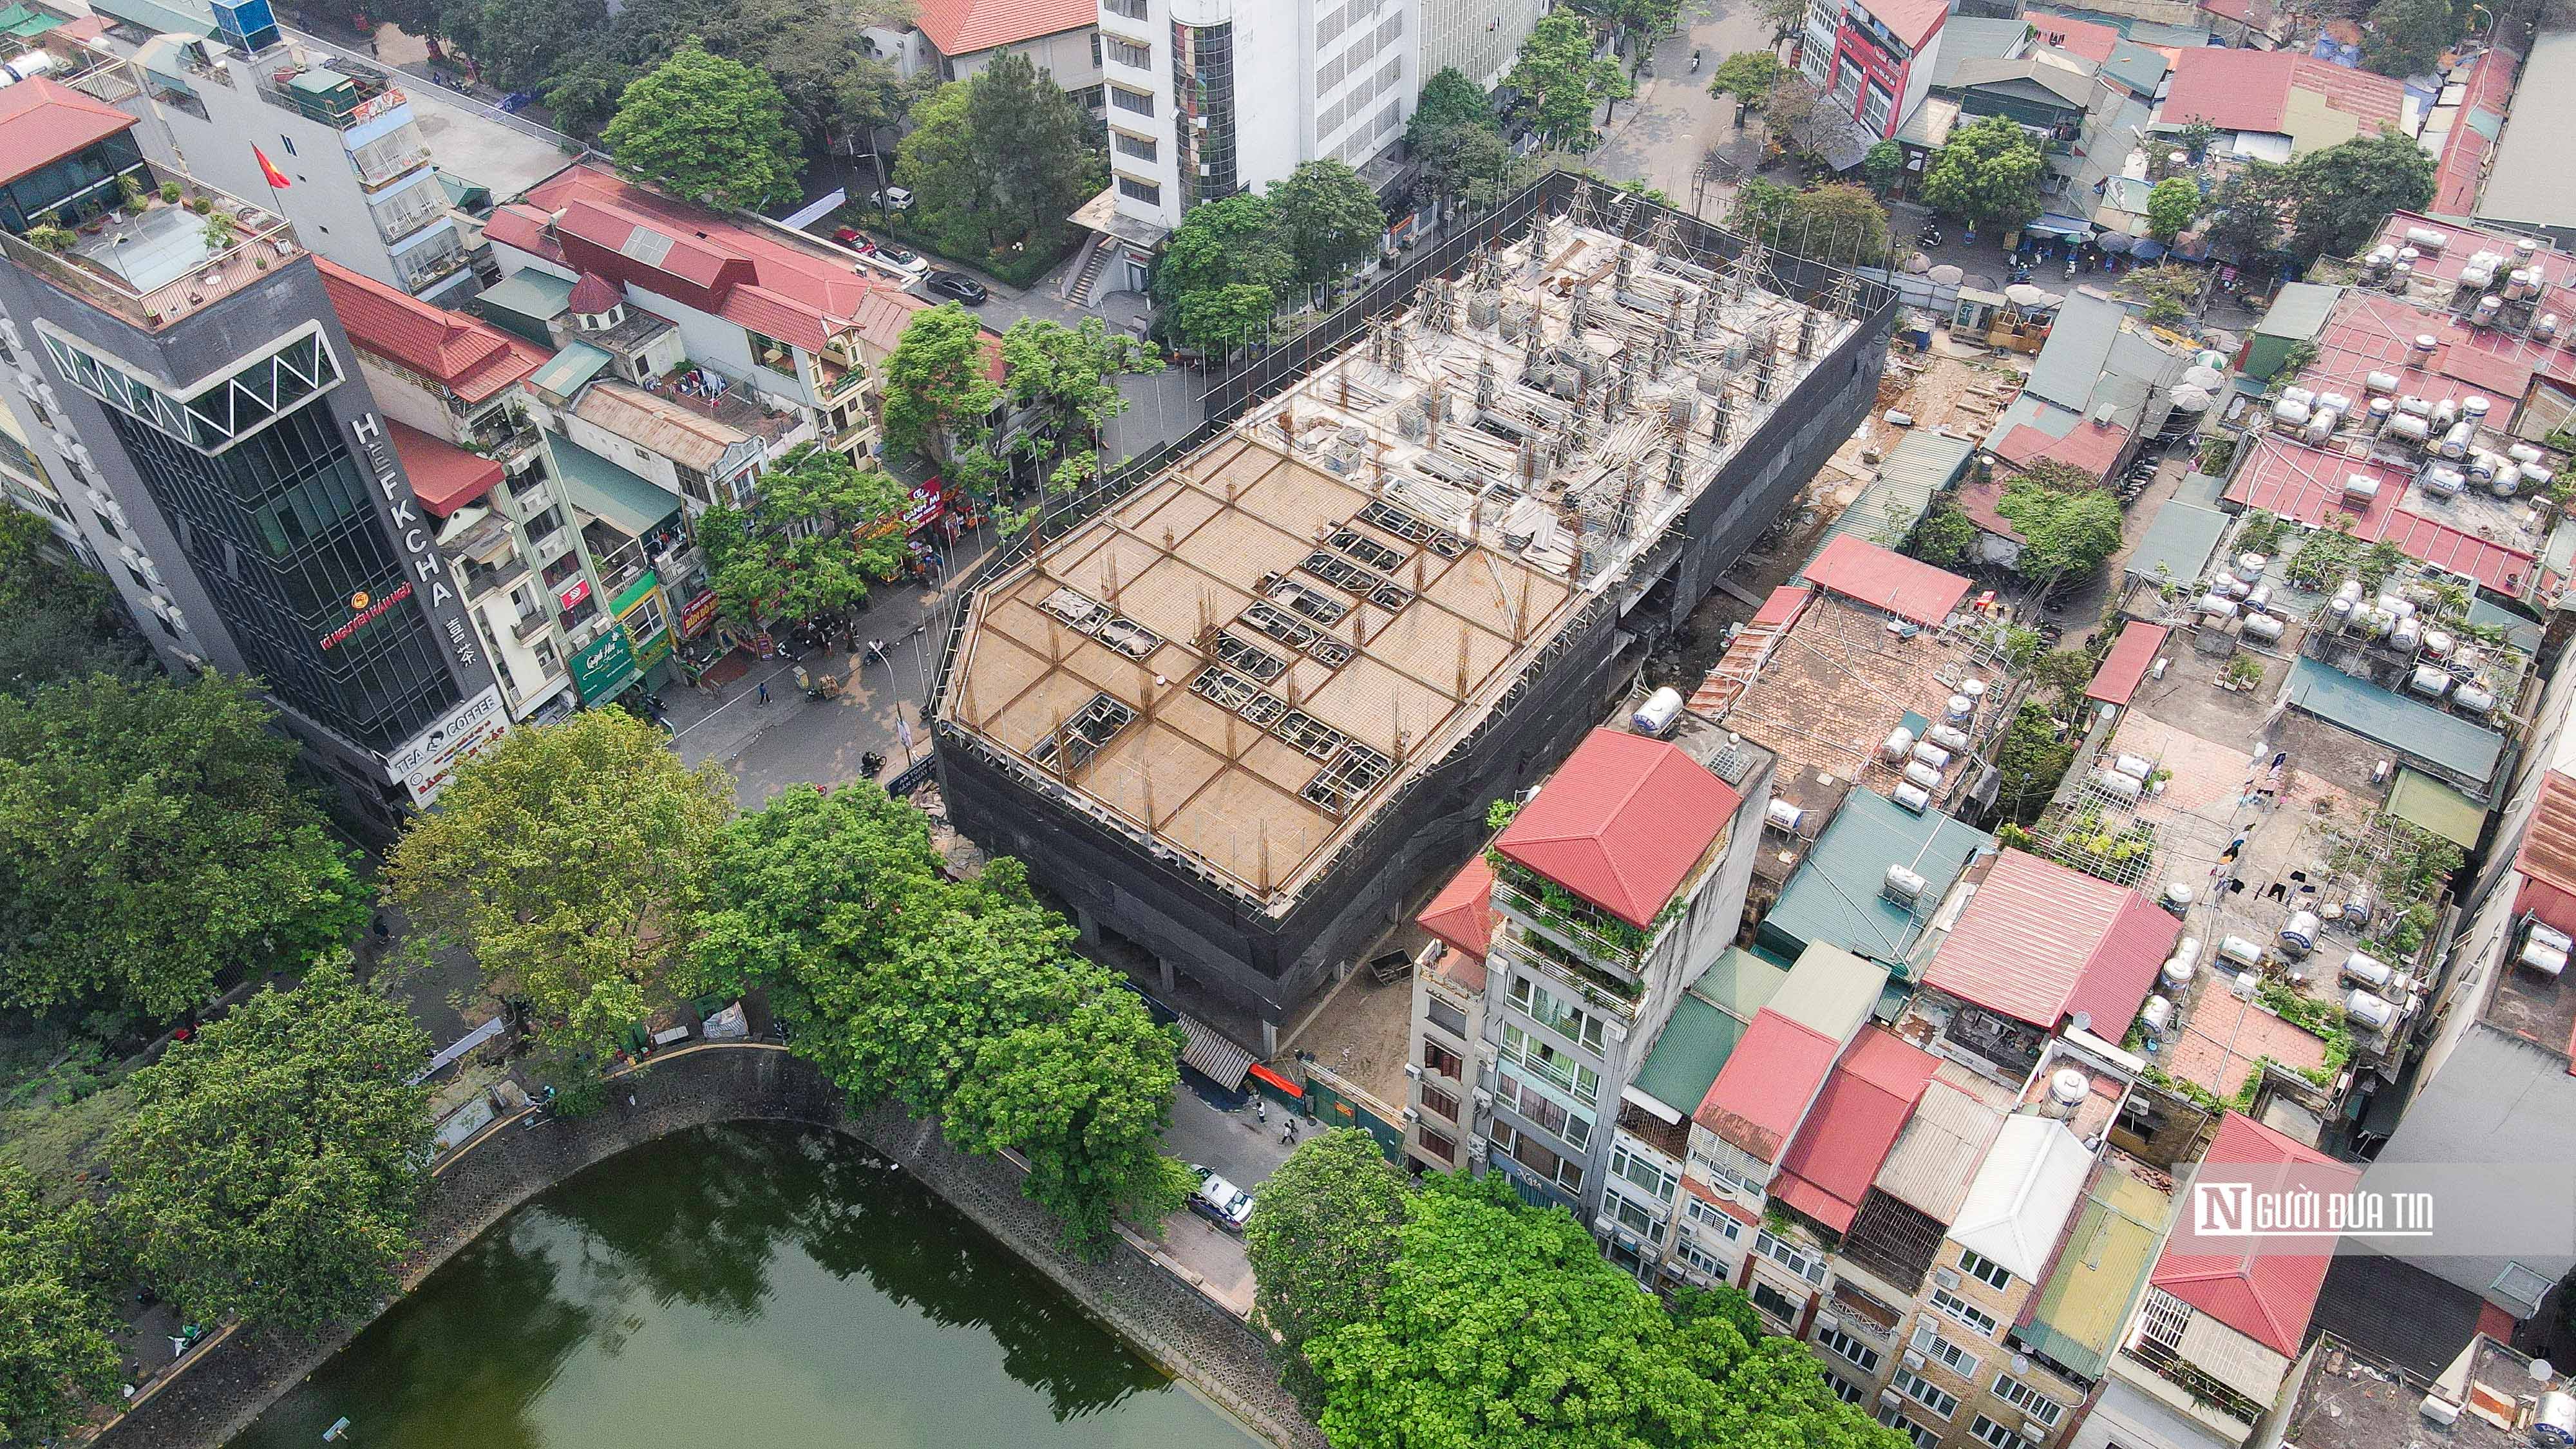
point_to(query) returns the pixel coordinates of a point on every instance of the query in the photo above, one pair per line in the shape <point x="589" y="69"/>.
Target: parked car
<point x="855" y="239"/>
<point x="958" y="285"/>
<point x="893" y="198"/>
<point x="1222" y="1203"/>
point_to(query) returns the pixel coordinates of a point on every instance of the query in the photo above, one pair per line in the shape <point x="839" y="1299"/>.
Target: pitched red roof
<point x="1911" y="21"/>
<point x="1849" y="1132"/>
<point x="2126" y="665"/>
<point x="2546" y="859"/>
<point x="1908" y="588"/>
<point x="2297" y="481"/>
<point x="963" y="27"/>
<point x="1763" y="1091"/>
<point x="594" y="294"/>
<point x="2092" y="41"/>
<point x="42" y="122"/>
<point x="2249" y="90"/>
<point x="2265" y="1292"/>
<point x="472" y="358"/>
<point x="2088" y="445"/>
<point x="1621" y="823"/>
<point x="2039" y="942"/>
<point x="2466" y="148"/>
<point x="444" y="477"/>
<point x="1462" y="914"/>
<point x="1983" y="503"/>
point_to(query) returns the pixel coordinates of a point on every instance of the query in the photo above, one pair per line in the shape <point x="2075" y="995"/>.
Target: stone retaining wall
<point x="231" y="1381"/>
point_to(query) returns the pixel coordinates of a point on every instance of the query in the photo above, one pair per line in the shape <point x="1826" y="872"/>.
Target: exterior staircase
<point x="1094" y="261"/>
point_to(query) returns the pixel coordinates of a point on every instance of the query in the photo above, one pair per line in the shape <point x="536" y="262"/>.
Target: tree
<point x="1035" y="138"/>
<point x="1321" y="1242"/>
<point x="938" y="382"/>
<point x="2246" y="211"/>
<point x="2171" y="206"/>
<point x="2170" y="290"/>
<point x="1471" y="164"/>
<point x="273" y="1166"/>
<point x="1066" y="378"/>
<point x="820" y="532"/>
<point x="1329" y="219"/>
<point x="2030" y="759"/>
<point x="1883" y="165"/>
<point x="1747" y="75"/>
<point x="709" y="128"/>
<point x="1218" y="321"/>
<point x="820" y="57"/>
<point x="2407" y="37"/>
<point x="57" y="621"/>
<point x="1449" y="102"/>
<point x="1222" y="275"/>
<point x="521" y="43"/>
<point x="1560" y="73"/>
<point x="56" y="1333"/>
<point x="2067" y="521"/>
<point x="569" y="859"/>
<point x="1840" y="223"/>
<point x="1987" y="173"/>
<point x="152" y="845"/>
<point x="2344" y="192"/>
<point x="1945" y="537"/>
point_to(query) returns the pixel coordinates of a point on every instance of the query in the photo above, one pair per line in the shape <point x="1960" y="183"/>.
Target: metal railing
<point x="447" y="95"/>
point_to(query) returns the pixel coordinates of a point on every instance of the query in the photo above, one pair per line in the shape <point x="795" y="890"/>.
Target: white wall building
<point x="1480" y="37"/>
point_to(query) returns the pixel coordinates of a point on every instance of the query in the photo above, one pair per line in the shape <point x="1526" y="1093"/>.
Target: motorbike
<point x="875" y="653"/>
<point x="1929" y="236"/>
<point x="871" y="764"/>
<point x="1694" y="62"/>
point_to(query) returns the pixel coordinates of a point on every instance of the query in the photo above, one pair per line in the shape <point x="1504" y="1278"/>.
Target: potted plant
<point x="51" y="237"/>
<point x="170" y="192"/>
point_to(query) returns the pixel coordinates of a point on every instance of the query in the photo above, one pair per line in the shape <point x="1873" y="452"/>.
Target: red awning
<point x="2125" y="667"/>
<point x="444" y="477"/>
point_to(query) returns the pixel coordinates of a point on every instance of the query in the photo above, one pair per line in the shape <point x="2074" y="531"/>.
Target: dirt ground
<point x="1360" y="1030"/>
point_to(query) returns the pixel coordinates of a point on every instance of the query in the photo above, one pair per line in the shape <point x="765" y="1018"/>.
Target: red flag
<point x="268" y="170"/>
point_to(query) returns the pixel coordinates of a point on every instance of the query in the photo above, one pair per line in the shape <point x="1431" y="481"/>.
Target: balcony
<point x="338" y="99"/>
<point x="1578" y="923"/>
<point x="2204" y="1390"/>
<point x="154" y="260"/>
<point x="500" y="433"/>
<point x="530" y="627"/>
<point x="1613" y="994"/>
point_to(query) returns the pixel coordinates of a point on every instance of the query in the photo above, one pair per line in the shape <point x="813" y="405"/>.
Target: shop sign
<point x="928" y="502"/>
<point x="571" y="598"/>
<point x="411" y="528"/>
<point x="625" y="601"/>
<point x="606" y="667"/>
<point x="364" y="609"/>
<point x="428" y="760"/>
<point x="654" y="650"/>
<point x="697" y="614"/>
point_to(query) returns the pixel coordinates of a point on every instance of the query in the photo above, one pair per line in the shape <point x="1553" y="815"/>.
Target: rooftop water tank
<point x="1948" y="737"/>
<point x="2441" y="480"/>
<point x="2370" y="971"/>
<point x="2217" y="606"/>
<point x="1903" y="886"/>
<point x="2264" y="628"/>
<point x="1912" y="797"/>
<point x="1919" y="773"/>
<point x="2474" y="698"/>
<point x="2067" y="1087"/>
<point x="2380" y="382"/>
<point x="1957" y="711"/>
<point x="1781" y="815"/>
<point x="2372" y="1012"/>
<point x="2359" y="489"/>
<point x="2425" y="239"/>
<point x="2177" y="973"/>
<point x="1894" y="747"/>
<point x="2241" y="951"/>
<point x="2406" y="427"/>
<point x="2119" y="786"/>
<point x="2136" y="767"/>
<point x="2299" y="933"/>
<point x="2177" y="898"/>
<point x="1658" y="714"/>
<point x="1927" y="753"/>
<point x="2158" y="1015"/>
<point x="2429" y="680"/>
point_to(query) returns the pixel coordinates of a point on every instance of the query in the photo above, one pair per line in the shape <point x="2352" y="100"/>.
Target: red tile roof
<point x="2039" y="942"/>
<point x="1763" y="1091"/>
<point x="2264" y="1292"/>
<point x="1983" y="503"/>
<point x="963" y="27"/>
<point x="1908" y="588"/>
<point x="2546" y="859"/>
<point x="2305" y="483"/>
<point x="2126" y="665"/>
<point x="1462" y="914"/>
<point x="2092" y="41"/>
<point x="2466" y="148"/>
<point x="2088" y="445"/>
<point x="1911" y="21"/>
<point x="593" y="294"/>
<point x="444" y="476"/>
<point x="41" y="123"/>
<point x="2249" y="90"/>
<point x="1852" y="1127"/>
<point x="473" y="359"/>
<point x="1621" y="823"/>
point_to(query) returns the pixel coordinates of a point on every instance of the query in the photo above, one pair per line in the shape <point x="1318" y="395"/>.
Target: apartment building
<point x="1872" y="59"/>
<point x="1448" y="1020"/>
<point x="185" y="386"/>
<point x="1479" y="38"/>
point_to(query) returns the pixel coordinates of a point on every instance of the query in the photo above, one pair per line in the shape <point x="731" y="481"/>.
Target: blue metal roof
<point x="2466" y="753"/>
<point x="1835" y="895"/>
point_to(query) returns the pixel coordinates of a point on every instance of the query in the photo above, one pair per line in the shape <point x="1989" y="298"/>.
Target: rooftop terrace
<point x="163" y="261"/>
<point x="2349" y="1401"/>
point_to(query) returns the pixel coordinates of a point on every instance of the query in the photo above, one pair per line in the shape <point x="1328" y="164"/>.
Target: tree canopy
<point x="819" y="533"/>
<point x="1458" y="141"/>
<point x="2405" y="38"/>
<point x="154" y="846"/>
<point x="1560" y="74"/>
<point x="1987" y="173"/>
<point x="959" y="999"/>
<point x="1066" y="380"/>
<point x="1222" y="274"/>
<point x="1449" y="101"/>
<point x="569" y="859"/>
<point x="938" y="384"/>
<point x="1839" y="223"/>
<point x="2171" y="206"/>
<point x="710" y="129"/>
<point x="998" y="160"/>
<point x="57" y="621"/>
<point x="1321" y="1241"/>
<point x="2344" y="192"/>
<point x="1747" y="75"/>
<point x="273" y="1166"/>
<point x="56" y="1349"/>
<point x="2069" y="523"/>
<point x="1328" y="217"/>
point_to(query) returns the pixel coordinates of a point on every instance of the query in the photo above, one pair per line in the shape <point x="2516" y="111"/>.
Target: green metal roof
<point x="2201" y="489"/>
<point x="2419" y="799"/>
<point x="2299" y="311"/>
<point x="596" y="486"/>
<point x="1920" y="465"/>
<point x="1704" y="1028"/>
<point x="530" y="293"/>
<point x="2466" y="752"/>
<point x="566" y="372"/>
<point x="177" y="18"/>
<point x="1835" y="896"/>
<point x="2519" y="632"/>
<point x="2181" y="537"/>
<point x="2086" y="1298"/>
<point x="27" y="24"/>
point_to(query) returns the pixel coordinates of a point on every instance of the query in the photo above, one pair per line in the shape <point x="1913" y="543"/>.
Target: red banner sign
<point x="369" y="611"/>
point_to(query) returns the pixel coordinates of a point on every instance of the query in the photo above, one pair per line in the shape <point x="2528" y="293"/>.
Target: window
<point x="1875" y="108"/>
<point x="1964" y="1311"/>
<point x="1860" y="1355"/>
<point x="2041" y="1408"/>
<point x="1136" y="146"/>
<point x="1713" y="1218"/>
<point x="1813" y="61"/>
<point x="1446" y="1017"/>
<point x="1439" y="1103"/>
<point x="1557" y="1014"/>
<point x="1438" y="1058"/>
<point x="1844" y="1391"/>
<point x="1141" y="102"/>
<point x="1634" y="1218"/>
<point x="1988" y="1431"/>
<point x="1925" y="1392"/>
<point x="1699" y="1261"/>
<point x="1847" y="87"/>
<point x="108" y="526"/>
<point x="286" y="141"/>
<point x="1658" y="1183"/>
<point x="1805" y="1265"/>
<point x="1943" y="1352"/>
<point x="1440" y="1145"/>
<point x="1533" y="1102"/>
<point x="1539" y="1159"/>
<point x="1132" y="9"/>
<point x="1144" y="191"/>
<point x="2162" y="1322"/>
<point x="1923" y="1438"/>
<point x="542" y="525"/>
<point x="1126" y="52"/>
<point x="1984" y="1269"/>
<point x="1774" y="1302"/>
<point x="1567" y="1075"/>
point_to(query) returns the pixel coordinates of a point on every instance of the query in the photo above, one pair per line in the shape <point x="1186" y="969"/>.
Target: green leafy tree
<point x="1840" y="223"/>
<point x="273" y="1167"/>
<point x="809" y="543"/>
<point x="1987" y="174"/>
<point x="152" y="846"/>
<point x="57" y="1352"/>
<point x="709" y="128"/>
<point x="57" y="621"/>
<point x="2068" y="522"/>
<point x="1559" y="72"/>
<point x="2171" y="206"/>
<point x="2407" y="37"/>
<point x="1218" y="320"/>
<point x="569" y="859"/>
<point x="2346" y="191"/>
<point x="819" y="56"/>
<point x="1458" y="141"/>
<point x="1223" y="274"/>
<point x="953" y="192"/>
<point x="1036" y="140"/>
<point x="1450" y="102"/>
<point x="1066" y="380"/>
<point x="1747" y="75"/>
<point x="1945" y="536"/>
<point x="1321" y="1241"/>
<point x="521" y="43"/>
<point x="2247" y="210"/>
<point x="2030" y="760"/>
<point x="938" y="383"/>
<point x="1328" y="217"/>
<point x="1883" y="165"/>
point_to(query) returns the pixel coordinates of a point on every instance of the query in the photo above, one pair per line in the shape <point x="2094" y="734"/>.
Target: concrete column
<point x="1165" y="962"/>
<point x="1088" y="925"/>
<point x="1269" y="1038"/>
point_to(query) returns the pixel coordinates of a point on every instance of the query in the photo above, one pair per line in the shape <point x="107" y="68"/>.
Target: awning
<point x="2073" y="228"/>
<point x="2420" y="800"/>
<point x="1212" y="1055"/>
<point x="569" y="369"/>
<point x="631" y="505"/>
<point x="444" y="477"/>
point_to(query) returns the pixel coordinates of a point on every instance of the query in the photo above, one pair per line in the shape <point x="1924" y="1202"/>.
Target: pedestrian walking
<point x="764" y="691"/>
<point x="1288" y="1130"/>
<point x="1261" y="1109"/>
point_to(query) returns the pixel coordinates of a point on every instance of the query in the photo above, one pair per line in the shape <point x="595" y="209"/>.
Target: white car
<point x="893" y="198"/>
<point x="1222" y="1203"/>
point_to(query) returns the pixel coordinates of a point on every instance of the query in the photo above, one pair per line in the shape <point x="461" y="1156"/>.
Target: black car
<point x="958" y="285"/>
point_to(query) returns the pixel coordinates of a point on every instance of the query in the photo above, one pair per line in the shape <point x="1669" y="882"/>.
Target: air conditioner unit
<point x="27" y="384"/>
<point x="1945" y="1277"/>
<point x="1413" y="1070"/>
<point x="96" y="499"/>
<point x="1614" y="1031"/>
<point x="1828" y="1322"/>
<point x="1477" y="1147"/>
<point x="1912" y="1359"/>
<point x="1890" y="1398"/>
<point x="1604" y="1225"/>
<point x="9" y="334"/>
<point x="82" y="459"/>
<point x="1488" y="1053"/>
<point x="1484" y="1099"/>
<point x="126" y="551"/>
<point x="1410" y="1116"/>
<point x="45" y="395"/>
<point x="2035" y="1431"/>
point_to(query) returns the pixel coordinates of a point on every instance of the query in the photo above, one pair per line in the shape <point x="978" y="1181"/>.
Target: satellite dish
<point x="2540" y="1371"/>
<point x="2081" y="1021"/>
<point x="2021" y="1363"/>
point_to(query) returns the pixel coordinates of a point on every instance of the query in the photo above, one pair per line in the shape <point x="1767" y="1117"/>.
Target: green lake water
<point x="748" y="1287"/>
